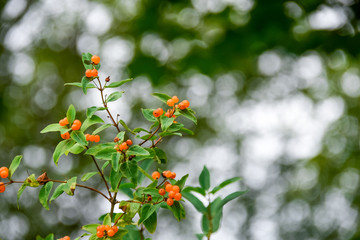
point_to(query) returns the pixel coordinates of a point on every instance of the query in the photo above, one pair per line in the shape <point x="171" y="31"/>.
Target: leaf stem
<point x="145" y="173"/>
<point x="150" y="135"/>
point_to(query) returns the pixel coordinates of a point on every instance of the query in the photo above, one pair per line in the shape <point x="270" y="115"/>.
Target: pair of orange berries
<point x="93" y="72"/>
<point x="171" y="102"/>
<point x="92" y="138"/>
<point x="65" y="238"/>
<point x="63" y="122"/>
<point x="184" y="104"/>
<point x="110" y="231"/>
<point x="4" y="172"/>
<point x="166" y="174"/>
<point x="123" y="146"/>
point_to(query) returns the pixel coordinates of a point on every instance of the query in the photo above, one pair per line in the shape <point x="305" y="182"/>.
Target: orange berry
<point x="115" y="228"/>
<point x="167" y="114"/>
<point x="129" y="142"/>
<point x="92" y="138"/>
<point x="2" y="187"/>
<point x="168" y="174"/>
<point x="62" y="123"/>
<point x="100" y="228"/>
<point x="87" y="136"/>
<point x="95" y="59"/>
<point x="149" y="198"/>
<point x="111" y="233"/>
<point x="100" y="234"/>
<point x="4" y="173"/>
<point x="123" y="146"/>
<point x="176" y="188"/>
<point x="65" y="135"/>
<point x="94" y="73"/>
<point x="170" y="102"/>
<point x="166" y="183"/>
<point x="175" y="99"/>
<point x="88" y="73"/>
<point x="76" y="125"/>
<point x="158" y="112"/>
<point x="96" y="138"/>
<point x="186" y="103"/>
<point x="107" y="227"/>
<point x="182" y="105"/>
<point x="116" y="139"/>
<point x="173" y="175"/>
<point x="155" y="175"/>
<point x="66" y="121"/>
<point x="168" y="187"/>
<point x="162" y="191"/>
<point x="66" y="238"/>
<point x="169" y="201"/>
<point x="177" y="196"/>
<point x="171" y="194"/>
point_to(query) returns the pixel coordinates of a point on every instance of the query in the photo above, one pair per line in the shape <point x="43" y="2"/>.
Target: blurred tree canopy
<point x="276" y="86"/>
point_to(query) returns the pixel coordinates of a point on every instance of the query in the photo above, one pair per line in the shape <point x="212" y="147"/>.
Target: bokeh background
<point x="275" y="84"/>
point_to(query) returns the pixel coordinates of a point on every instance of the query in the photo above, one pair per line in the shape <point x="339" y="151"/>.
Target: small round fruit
<point x="168" y="174"/>
<point x="66" y="238"/>
<point x="116" y="139"/>
<point x="176" y="188"/>
<point x="170" y="201"/>
<point x="88" y="73"/>
<point x="76" y="125"/>
<point x="171" y="194"/>
<point x="177" y="196"/>
<point x="65" y="135"/>
<point x="110" y="233"/>
<point x="94" y="73"/>
<point x="158" y="112"/>
<point x="162" y="191"/>
<point x="166" y="183"/>
<point x="170" y="102"/>
<point x="173" y="175"/>
<point x="62" y="123"/>
<point x="4" y="173"/>
<point x="107" y="227"/>
<point x="129" y="142"/>
<point x="168" y="188"/>
<point x="2" y="187"/>
<point x="115" y="228"/>
<point x="96" y="138"/>
<point x="100" y="228"/>
<point x="123" y="146"/>
<point x="92" y="138"/>
<point x="155" y="175"/>
<point x="100" y="234"/>
<point x="87" y="136"/>
<point x="95" y="59"/>
<point x="186" y="103"/>
<point x="182" y="106"/>
<point x="66" y="121"/>
<point x="175" y="99"/>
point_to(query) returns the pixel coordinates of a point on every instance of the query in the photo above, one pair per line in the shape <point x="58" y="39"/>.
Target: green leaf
<point x="162" y="97"/>
<point x="164" y="134"/>
<point x="137" y="130"/>
<point x="105" y="165"/>
<point x="107" y="220"/>
<point x="195" y="189"/>
<point x="148" y="114"/>
<point x="188" y="114"/>
<point x="151" y="223"/>
<point x="146" y="211"/>
<point x="224" y="184"/>
<point x="91" y="228"/>
<point x="118" y="83"/>
<point x="71" y="114"/>
<point x="137" y="150"/>
<point x="84" y="82"/>
<point x="205" y="224"/>
<point x="188" y="131"/>
<point x="29" y="182"/>
<point x="101" y="128"/>
<point x="175" y="127"/>
<point x="58" y="191"/>
<point x="115" y="178"/>
<point x="44" y="194"/>
<point x="97" y="148"/>
<point x="61" y="148"/>
<point x="126" y="127"/>
<point x="88" y="175"/>
<point x="114" y="96"/>
<point x="91" y="110"/>
<point x="232" y="196"/>
<point x="77" y="84"/>
<point x="79" y="137"/>
<point x="105" y="154"/>
<point x="14" y="165"/>
<point x="70" y="186"/>
<point x="178" y="210"/>
<point x="195" y="202"/>
<point x="90" y="121"/>
<point x="166" y="122"/>
<point x="86" y="59"/>
<point x="160" y="154"/>
<point x="76" y="149"/>
<point x="204" y="178"/>
<point x="48" y="237"/>
<point x="133" y="233"/>
<point x="20" y="191"/>
<point x="115" y="161"/>
<point x="55" y="127"/>
<point x="200" y="236"/>
<point x="182" y="181"/>
<point x="129" y="170"/>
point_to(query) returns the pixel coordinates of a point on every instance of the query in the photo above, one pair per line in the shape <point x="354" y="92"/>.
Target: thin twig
<point x="150" y="135"/>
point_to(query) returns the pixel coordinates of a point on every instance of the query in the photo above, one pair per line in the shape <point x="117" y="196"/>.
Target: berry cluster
<point x="93" y="72"/>
<point x="76" y="125"/>
<point x="106" y="230"/>
<point x="120" y="147"/>
<point x="172" y="190"/>
<point x="171" y="103"/>
<point x="92" y="138"/>
<point x="4" y="173"/>
<point x="65" y="238"/>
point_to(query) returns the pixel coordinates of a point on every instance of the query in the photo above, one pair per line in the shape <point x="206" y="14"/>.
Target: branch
<point x="150" y="135"/>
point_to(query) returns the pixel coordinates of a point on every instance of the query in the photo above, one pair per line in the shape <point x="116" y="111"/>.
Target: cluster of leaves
<point x="213" y="212"/>
<point x="123" y="170"/>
